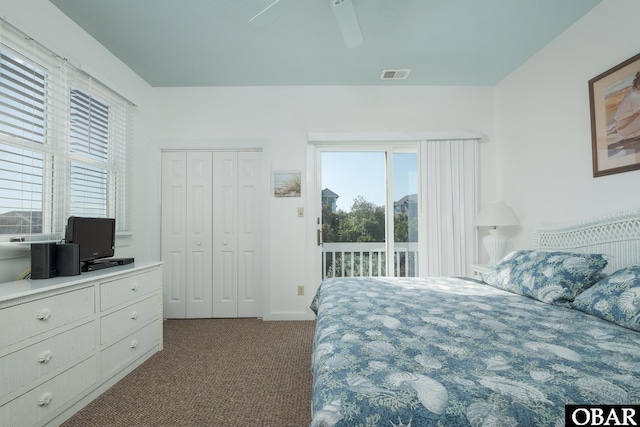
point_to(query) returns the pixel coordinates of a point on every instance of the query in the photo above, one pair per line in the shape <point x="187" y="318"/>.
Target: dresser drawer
<point x="125" y="289"/>
<point x="32" y="318"/>
<point x="125" y="351"/>
<point x="30" y="363"/>
<point x="128" y="318"/>
<point x="45" y="400"/>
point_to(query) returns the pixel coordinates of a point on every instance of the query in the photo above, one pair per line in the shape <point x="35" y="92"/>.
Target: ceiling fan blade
<point x="348" y="22"/>
<point x="270" y="13"/>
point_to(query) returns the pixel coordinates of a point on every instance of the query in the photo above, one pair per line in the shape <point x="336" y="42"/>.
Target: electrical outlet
<point x="300" y="290"/>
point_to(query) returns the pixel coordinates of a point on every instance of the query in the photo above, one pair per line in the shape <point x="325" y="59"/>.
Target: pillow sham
<point x="615" y="298"/>
<point x="551" y="277"/>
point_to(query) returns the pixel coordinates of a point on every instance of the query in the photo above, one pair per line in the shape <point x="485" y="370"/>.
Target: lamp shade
<point x="494" y="214"/>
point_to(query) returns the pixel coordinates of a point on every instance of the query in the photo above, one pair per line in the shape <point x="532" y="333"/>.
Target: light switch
<point x="300" y="212"/>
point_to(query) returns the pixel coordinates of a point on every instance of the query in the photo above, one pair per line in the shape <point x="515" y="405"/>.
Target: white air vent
<point x="395" y="74"/>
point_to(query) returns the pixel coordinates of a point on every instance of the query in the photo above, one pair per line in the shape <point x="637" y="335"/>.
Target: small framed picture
<point x="287" y="184"/>
<point x="614" y="98"/>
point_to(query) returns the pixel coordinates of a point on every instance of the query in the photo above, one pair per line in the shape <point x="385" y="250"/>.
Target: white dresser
<point x="64" y="341"/>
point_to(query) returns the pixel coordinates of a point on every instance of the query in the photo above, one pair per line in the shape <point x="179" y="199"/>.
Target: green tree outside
<point x="364" y="223"/>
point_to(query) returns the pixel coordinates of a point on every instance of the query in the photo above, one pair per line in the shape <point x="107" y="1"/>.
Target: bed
<point x="555" y="325"/>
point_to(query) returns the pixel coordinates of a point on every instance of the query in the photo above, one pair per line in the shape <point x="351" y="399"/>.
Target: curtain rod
<point x="318" y="137"/>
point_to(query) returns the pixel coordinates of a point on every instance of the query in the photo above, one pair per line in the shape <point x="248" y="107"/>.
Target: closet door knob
<point x="134" y="315"/>
<point x="134" y="286"/>
<point x="198" y="243"/>
<point x="225" y="243"/>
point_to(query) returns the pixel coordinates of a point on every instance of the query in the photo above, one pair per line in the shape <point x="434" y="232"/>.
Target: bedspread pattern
<point x="452" y="351"/>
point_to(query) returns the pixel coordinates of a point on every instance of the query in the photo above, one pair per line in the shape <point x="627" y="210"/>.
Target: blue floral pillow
<point x="615" y="298"/>
<point x="551" y="277"/>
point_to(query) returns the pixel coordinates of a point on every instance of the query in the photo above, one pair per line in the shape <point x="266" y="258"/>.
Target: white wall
<point x="50" y="27"/>
<point x="283" y="116"/>
<point x="543" y="129"/>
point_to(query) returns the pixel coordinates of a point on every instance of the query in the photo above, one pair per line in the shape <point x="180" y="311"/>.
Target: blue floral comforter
<point x="456" y="352"/>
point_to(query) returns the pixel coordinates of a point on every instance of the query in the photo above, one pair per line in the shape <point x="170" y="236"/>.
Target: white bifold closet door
<point x="211" y="234"/>
<point x="237" y="236"/>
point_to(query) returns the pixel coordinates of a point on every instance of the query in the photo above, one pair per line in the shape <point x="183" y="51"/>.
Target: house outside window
<point x="329" y="198"/>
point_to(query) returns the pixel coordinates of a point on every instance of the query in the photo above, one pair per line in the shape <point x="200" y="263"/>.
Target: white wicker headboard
<point x="616" y="234"/>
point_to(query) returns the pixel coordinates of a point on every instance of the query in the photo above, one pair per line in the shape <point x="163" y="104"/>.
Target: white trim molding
<point x="329" y="137"/>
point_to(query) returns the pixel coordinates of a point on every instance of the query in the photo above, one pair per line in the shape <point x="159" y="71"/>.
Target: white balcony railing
<point x="368" y="259"/>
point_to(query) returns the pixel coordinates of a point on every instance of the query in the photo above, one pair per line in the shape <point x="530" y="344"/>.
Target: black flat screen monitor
<point x="95" y="236"/>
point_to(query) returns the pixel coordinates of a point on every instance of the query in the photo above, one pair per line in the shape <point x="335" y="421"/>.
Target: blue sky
<point x="353" y="174"/>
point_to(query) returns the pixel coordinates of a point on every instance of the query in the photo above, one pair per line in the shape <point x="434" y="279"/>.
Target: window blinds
<point x="22" y="88"/>
<point x="64" y="143"/>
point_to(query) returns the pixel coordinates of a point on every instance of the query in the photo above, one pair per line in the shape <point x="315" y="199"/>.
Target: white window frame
<point x="389" y="149"/>
<point x="60" y="79"/>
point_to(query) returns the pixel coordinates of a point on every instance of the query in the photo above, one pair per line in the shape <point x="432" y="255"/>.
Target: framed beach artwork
<point x="614" y="98"/>
<point x="287" y="184"/>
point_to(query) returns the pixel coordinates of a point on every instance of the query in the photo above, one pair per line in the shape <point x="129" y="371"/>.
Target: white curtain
<point x="448" y="183"/>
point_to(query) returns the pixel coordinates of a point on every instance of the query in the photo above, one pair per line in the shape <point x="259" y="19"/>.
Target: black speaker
<point x="43" y="260"/>
<point x="68" y="259"/>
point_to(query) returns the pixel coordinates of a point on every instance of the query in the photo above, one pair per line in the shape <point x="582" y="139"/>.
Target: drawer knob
<point x="134" y="344"/>
<point x="43" y="314"/>
<point x="134" y="315"/>
<point x="45" y="357"/>
<point x="45" y="399"/>
<point x="134" y="286"/>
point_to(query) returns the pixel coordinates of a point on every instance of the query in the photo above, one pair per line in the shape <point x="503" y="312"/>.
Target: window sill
<point x="26" y="245"/>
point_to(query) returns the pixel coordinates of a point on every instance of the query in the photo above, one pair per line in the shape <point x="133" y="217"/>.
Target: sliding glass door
<point x="405" y="214"/>
<point x="368" y="224"/>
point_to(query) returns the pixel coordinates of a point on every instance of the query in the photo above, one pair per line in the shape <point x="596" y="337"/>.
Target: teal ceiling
<point x="211" y="43"/>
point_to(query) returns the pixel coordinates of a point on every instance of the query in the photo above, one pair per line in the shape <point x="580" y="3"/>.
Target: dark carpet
<point x="215" y="372"/>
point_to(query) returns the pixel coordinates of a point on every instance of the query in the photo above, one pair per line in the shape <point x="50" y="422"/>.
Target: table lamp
<point x="494" y="215"/>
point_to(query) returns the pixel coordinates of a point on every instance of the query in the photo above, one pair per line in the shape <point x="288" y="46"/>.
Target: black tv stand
<point x="105" y="263"/>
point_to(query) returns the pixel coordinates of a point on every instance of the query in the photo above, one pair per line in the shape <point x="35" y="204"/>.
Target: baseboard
<point x="307" y="315"/>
